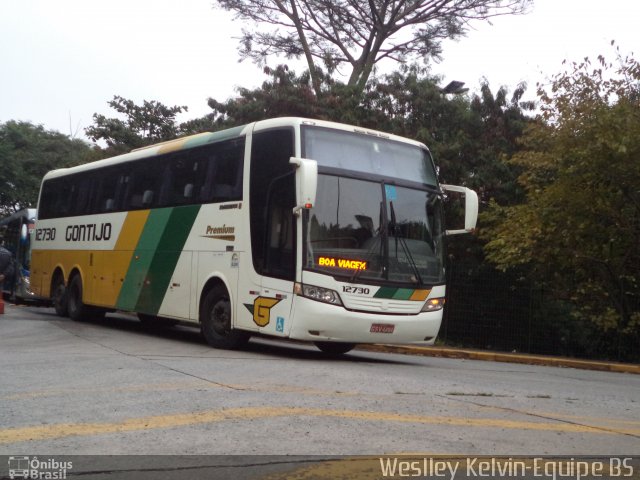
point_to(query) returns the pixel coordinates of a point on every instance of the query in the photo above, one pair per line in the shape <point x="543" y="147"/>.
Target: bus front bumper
<point x="317" y="321"/>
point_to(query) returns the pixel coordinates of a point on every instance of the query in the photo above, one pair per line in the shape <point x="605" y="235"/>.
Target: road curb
<point x="526" y="359"/>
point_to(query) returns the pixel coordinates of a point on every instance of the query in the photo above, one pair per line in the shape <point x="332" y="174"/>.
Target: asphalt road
<point x="114" y="387"/>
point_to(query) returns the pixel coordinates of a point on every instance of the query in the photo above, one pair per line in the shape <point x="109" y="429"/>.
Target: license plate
<point x="382" y="328"/>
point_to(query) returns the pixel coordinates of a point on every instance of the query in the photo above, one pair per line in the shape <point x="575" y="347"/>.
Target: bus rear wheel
<point x="59" y="297"/>
<point x="78" y="311"/>
<point x="335" y="348"/>
<point x="215" y="321"/>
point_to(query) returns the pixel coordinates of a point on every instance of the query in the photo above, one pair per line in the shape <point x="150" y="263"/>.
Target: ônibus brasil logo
<point x="26" y="467"/>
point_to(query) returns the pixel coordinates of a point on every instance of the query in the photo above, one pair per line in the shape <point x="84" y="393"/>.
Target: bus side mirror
<point x="306" y="182"/>
<point x="470" y="208"/>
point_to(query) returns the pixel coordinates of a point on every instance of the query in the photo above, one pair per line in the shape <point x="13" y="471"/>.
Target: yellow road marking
<point x="43" y="432"/>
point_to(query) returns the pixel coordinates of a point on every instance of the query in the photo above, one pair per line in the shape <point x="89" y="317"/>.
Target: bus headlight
<point x="433" y="304"/>
<point x="319" y="294"/>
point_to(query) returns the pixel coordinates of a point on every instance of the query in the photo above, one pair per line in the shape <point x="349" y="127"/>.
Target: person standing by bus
<point x="6" y="265"/>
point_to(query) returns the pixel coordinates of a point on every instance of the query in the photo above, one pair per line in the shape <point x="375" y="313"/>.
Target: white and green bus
<point x="289" y="227"/>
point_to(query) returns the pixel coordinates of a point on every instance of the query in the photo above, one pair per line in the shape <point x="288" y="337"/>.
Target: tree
<point x="331" y="33"/>
<point x="283" y="94"/>
<point x="143" y="125"/>
<point x="468" y="136"/>
<point x="29" y="151"/>
<point x="579" y="229"/>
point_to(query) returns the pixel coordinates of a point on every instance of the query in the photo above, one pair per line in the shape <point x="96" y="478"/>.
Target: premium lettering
<point x="223" y="230"/>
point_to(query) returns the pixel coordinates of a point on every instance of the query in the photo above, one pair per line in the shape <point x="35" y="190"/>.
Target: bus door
<point x="268" y="296"/>
<point x="265" y="292"/>
<point x="280" y="257"/>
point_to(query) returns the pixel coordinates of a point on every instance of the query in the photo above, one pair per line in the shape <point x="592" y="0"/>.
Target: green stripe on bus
<point x="403" y="294"/>
<point x="385" y="292"/>
<point x="142" y="258"/>
<point x="394" y="293"/>
<point x="166" y="258"/>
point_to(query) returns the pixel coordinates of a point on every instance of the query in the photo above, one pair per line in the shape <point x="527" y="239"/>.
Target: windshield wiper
<point x="382" y="232"/>
<point x="394" y="231"/>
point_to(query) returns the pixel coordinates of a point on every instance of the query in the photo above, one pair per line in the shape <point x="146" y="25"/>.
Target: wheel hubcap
<point x="221" y="317"/>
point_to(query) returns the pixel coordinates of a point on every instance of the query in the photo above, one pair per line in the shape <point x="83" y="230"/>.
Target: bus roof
<point x="28" y="213"/>
<point x="205" y="138"/>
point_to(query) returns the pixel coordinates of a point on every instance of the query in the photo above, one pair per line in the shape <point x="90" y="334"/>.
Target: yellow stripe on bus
<point x="113" y="265"/>
<point x="131" y="230"/>
<point x="420" y="295"/>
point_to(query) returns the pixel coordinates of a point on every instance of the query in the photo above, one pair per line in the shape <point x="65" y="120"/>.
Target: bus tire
<point x="215" y="321"/>
<point x="59" y="296"/>
<point x="335" y="348"/>
<point x="78" y="311"/>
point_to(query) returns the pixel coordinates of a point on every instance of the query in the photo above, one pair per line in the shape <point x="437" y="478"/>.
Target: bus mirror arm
<point x="306" y="183"/>
<point x="470" y="208"/>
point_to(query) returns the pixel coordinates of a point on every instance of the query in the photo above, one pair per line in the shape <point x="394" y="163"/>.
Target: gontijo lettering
<point x="342" y="263"/>
<point x="91" y="232"/>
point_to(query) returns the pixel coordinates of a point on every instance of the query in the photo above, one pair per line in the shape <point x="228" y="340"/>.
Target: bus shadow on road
<point x="275" y="348"/>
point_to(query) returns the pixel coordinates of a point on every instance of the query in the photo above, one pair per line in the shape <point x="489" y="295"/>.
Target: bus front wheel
<point x="215" y="321"/>
<point x="335" y="348"/>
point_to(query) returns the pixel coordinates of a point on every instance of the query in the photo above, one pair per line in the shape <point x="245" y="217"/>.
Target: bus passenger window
<point x="223" y="173"/>
<point x="144" y="182"/>
<point x="83" y="189"/>
<point x="105" y="199"/>
<point x="61" y="206"/>
<point x="180" y="174"/>
<point x="147" y="198"/>
<point x="188" y="191"/>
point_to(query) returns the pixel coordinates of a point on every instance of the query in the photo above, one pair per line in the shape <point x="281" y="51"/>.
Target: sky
<point x="63" y="60"/>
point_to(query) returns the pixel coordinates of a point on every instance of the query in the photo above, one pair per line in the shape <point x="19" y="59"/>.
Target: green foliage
<point x="27" y="152"/>
<point x="283" y="94"/>
<point x="142" y="125"/>
<point x="579" y="228"/>
<point x="467" y="136"/>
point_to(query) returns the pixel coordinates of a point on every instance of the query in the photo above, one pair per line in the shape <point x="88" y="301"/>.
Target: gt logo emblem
<point x="261" y="310"/>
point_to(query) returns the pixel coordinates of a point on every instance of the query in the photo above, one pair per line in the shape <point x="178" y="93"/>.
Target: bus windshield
<point x="375" y="232"/>
<point x="374" y="155"/>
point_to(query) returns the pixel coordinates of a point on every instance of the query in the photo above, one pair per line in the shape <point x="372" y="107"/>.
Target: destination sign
<point x="342" y="263"/>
